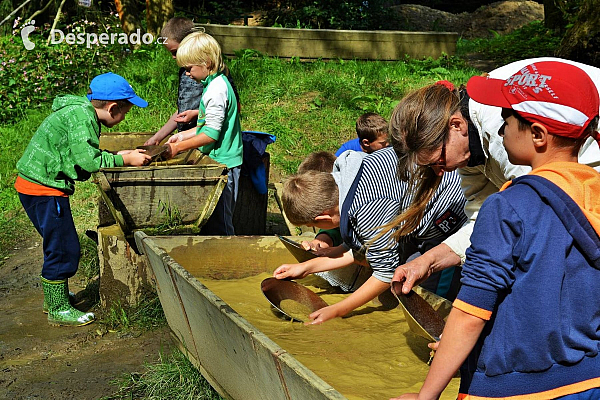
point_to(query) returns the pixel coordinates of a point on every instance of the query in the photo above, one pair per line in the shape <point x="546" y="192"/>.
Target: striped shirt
<point x="378" y="196"/>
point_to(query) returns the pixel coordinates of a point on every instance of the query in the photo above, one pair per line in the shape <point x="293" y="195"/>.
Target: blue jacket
<point x="534" y="267"/>
<point x="353" y="144"/>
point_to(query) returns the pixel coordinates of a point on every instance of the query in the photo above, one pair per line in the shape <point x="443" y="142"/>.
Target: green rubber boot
<point x="72" y="301"/>
<point x="60" y="311"/>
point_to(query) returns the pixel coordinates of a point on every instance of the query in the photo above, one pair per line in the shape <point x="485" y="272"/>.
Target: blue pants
<point x="51" y="216"/>
<point x="221" y="220"/>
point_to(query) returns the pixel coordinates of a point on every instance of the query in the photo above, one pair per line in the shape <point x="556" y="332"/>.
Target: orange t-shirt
<point x="24" y="186"/>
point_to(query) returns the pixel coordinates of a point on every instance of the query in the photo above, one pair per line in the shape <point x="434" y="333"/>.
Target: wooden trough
<point x="174" y="197"/>
<point x="333" y="44"/>
<point x="239" y="360"/>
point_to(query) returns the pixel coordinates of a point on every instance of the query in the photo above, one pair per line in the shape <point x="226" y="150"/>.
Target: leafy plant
<point x="172" y="215"/>
<point x="29" y="78"/>
<point x="532" y="40"/>
<point x="381" y="105"/>
<point x="331" y="14"/>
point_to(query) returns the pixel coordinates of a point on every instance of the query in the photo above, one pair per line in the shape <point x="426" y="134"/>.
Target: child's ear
<point x="539" y="134"/>
<point x="111" y="107"/>
<point x="365" y="144"/>
<point x="323" y="217"/>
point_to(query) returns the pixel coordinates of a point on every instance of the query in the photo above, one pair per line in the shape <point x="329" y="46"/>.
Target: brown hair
<point x="318" y="161"/>
<point x="419" y="125"/>
<point x="308" y="195"/>
<point x="177" y="28"/>
<point x="102" y="103"/>
<point x="370" y="126"/>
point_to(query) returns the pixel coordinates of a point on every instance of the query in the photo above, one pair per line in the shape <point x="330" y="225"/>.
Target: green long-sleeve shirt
<point x="65" y="148"/>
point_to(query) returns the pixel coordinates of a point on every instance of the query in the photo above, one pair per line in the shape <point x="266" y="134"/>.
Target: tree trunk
<point x="553" y="16"/>
<point x="128" y="12"/>
<point x="157" y="15"/>
<point x="582" y="41"/>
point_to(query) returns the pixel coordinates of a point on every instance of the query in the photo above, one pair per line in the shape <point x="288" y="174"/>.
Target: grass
<point x="172" y="377"/>
<point x="146" y="315"/>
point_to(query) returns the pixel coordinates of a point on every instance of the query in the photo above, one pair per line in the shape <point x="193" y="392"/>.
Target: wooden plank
<point x="334" y="44"/>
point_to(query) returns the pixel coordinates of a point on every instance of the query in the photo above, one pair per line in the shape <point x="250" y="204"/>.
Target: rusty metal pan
<point x="296" y="249"/>
<point x="421" y="317"/>
<point x="278" y="290"/>
<point x="154" y="151"/>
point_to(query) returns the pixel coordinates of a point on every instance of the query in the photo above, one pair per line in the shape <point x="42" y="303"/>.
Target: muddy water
<point x="368" y="355"/>
<point x="295" y="309"/>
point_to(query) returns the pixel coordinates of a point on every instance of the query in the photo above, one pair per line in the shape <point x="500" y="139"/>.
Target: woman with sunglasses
<point x="438" y="128"/>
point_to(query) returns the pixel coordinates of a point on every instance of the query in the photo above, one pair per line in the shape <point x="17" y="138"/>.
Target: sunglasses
<point x="441" y="162"/>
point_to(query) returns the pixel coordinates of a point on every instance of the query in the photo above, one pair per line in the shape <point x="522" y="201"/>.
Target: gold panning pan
<point x="291" y="298"/>
<point x="296" y="249"/>
<point x="422" y="319"/>
<point x="154" y="151"/>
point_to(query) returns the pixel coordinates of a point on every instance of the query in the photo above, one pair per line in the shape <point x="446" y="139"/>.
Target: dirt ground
<point x="39" y="361"/>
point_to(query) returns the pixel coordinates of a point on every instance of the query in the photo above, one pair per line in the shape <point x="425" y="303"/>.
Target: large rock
<point x="501" y="17"/>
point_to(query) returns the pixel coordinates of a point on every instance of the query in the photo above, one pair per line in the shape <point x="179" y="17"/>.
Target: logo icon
<point x="27" y="29"/>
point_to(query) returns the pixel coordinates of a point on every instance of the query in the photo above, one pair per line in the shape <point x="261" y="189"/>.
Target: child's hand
<point x="186" y="116"/>
<point x="290" y="271"/>
<point x="153" y="141"/>
<point x="121" y="152"/>
<point x="171" y="152"/>
<point x="136" y="158"/>
<point x="314" y="245"/>
<point x="322" y="315"/>
<point x="178" y="137"/>
<point x="434" y="346"/>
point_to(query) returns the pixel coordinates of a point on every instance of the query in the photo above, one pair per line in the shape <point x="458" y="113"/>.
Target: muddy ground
<point x="38" y="361"/>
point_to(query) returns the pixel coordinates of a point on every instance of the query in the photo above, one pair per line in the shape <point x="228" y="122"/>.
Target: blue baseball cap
<point x="111" y="86"/>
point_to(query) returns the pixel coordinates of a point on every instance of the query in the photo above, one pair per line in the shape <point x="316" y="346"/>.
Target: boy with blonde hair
<point x="189" y="91"/>
<point x="218" y="133"/>
<point x="525" y="323"/>
<point x="64" y="149"/>
<point x="360" y="195"/>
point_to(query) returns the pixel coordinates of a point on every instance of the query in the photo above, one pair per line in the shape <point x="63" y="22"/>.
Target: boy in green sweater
<point x="65" y="149"/>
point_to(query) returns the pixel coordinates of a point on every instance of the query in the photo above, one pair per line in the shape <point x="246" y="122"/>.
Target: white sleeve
<point x="215" y="102"/>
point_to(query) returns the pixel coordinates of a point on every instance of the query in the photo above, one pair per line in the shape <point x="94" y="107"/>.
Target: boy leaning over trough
<point x="63" y="150"/>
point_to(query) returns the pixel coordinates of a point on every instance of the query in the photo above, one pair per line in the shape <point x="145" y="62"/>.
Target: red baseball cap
<point x="560" y="96"/>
